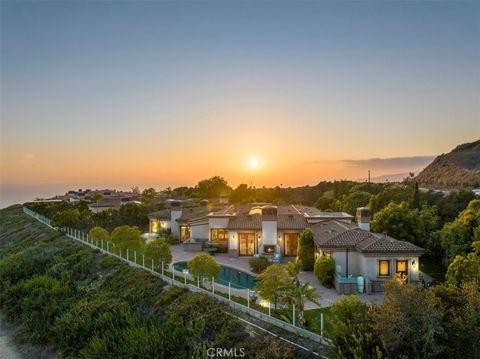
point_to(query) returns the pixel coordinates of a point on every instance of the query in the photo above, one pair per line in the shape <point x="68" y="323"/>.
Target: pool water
<point x="237" y="278"/>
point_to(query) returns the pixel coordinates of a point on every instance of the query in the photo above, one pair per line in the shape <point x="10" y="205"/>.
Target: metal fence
<point x="174" y="277"/>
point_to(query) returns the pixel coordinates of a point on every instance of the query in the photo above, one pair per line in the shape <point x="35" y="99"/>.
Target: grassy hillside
<point x="86" y="304"/>
<point x="459" y="168"/>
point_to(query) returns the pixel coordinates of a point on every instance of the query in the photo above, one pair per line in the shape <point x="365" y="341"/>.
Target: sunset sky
<point x="165" y="94"/>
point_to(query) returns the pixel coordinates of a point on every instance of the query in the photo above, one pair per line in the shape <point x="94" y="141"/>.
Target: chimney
<point x="363" y="218"/>
<point x="175" y="212"/>
<point x="268" y="240"/>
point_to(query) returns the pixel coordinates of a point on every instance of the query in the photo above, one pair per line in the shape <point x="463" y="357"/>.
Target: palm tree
<point x="300" y="293"/>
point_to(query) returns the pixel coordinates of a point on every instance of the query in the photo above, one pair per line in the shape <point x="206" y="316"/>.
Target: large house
<point x="247" y="230"/>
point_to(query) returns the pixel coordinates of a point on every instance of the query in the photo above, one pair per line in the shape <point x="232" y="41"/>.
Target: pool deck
<point x="328" y="296"/>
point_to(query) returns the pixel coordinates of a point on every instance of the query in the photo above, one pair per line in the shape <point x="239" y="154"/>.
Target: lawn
<point x="312" y="318"/>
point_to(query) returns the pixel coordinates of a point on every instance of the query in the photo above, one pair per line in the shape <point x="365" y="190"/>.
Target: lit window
<point x="219" y="235"/>
<point x="383" y="268"/>
<point x="401" y="266"/>
<point x="154" y="228"/>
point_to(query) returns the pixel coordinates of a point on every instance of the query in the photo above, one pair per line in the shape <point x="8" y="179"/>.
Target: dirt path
<point x="9" y="349"/>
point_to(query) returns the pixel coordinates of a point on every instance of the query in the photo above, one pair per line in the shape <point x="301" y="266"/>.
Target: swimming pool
<point x="237" y="278"/>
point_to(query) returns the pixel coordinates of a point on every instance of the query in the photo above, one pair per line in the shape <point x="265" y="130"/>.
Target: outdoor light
<point x="414" y="264"/>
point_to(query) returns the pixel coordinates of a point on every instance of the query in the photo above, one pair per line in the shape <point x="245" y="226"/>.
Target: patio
<point x="328" y="296"/>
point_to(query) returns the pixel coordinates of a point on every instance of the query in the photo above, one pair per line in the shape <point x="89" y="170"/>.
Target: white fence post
<point x="152" y="265"/>
<point x="102" y="244"/>
<point x="135" y="256"/>
<point x="213" y="285"/>
<point x="269" y="309"/>
<point x="229" y="292"/>
<point x="127" y="254"/>
<point x="173" y="274"/>
<point x="198" y="282"/>
<point x="321" y="324"/>
<point x="293" y="318"/>
<point x="163" y="271"/>
<point x="248" y="297"/>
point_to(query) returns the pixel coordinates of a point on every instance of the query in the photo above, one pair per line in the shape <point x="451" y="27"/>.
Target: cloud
<point x="413" y="162"/>
<point x="392" y="167"/>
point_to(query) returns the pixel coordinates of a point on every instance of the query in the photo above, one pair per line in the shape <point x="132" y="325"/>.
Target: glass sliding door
<point x="247" y="244"/>
<point x="291" y="244"/>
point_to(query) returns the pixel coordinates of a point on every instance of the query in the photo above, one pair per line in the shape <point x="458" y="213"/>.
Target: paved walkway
<point x="328" y="296"/>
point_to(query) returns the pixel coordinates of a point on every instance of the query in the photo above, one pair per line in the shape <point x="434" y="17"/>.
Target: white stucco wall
<point x="175" y="214"/>
<point x="268" y="236"/>
<point x="370" y="266"/>
<point x="199" y="231"/>
<point x="340" y="258"/>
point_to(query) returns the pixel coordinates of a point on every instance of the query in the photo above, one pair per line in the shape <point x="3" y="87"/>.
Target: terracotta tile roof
<point x="379" y="243"/>
<point x="192" y="213"/>
<point x="335" y="234"/>
<point x="245" y="222"/>
<point x="291" y="222"/>
<point x="163" y="214"/>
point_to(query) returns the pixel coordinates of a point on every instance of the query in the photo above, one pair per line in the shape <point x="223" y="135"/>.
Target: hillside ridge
<point x="460" y="168"/>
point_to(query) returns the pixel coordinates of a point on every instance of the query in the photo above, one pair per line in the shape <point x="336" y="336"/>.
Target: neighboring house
<point x="110" y="203"/>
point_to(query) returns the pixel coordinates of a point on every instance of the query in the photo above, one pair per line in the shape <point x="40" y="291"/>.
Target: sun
<point x="253" y="163"/>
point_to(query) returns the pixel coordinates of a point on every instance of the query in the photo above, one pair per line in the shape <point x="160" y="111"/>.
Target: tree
<point x="450" y="206"/>
<point x="409" y="322"/>
<point x="395" y="194"/>
<point x="399" y="221"/>
<point x="458" y="235"/>
<point x="274" y="284"/>
<point x="97" y="197"/>
<point x="306" y="249"/>
<point x="148" y="195"/>
<point x="67" y="218"/>
<point x="324" y="203"/>
<point x="352" y="201"/>
<point x="325" y="270"/>
<point x="241" y="194"/>
<point x="415" y="201"/>
<point x="134" y="214"/>
<point x="299" y="293"/>
<point x="99" y="234"/>
<point x="465" y="269"/>
<point x="158" y="250"/>
<point x="203" y="265"/>
<point x="353" y="334"/>
<point x="124" y="237"/>
<point x="213" y="187"/>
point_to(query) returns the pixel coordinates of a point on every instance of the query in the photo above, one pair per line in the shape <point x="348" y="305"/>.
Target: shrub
<point x="99" y="316"/>
<point x="99" y="234"/>
<point x="158" y="250"/>
<point x="168" y="236"/>
<point x="204" y="265"/>
<point x="306" y="249"/>
<point x="126" y="237"/>
<point x="325" y="270"/>
<point x="258" y="264"/>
